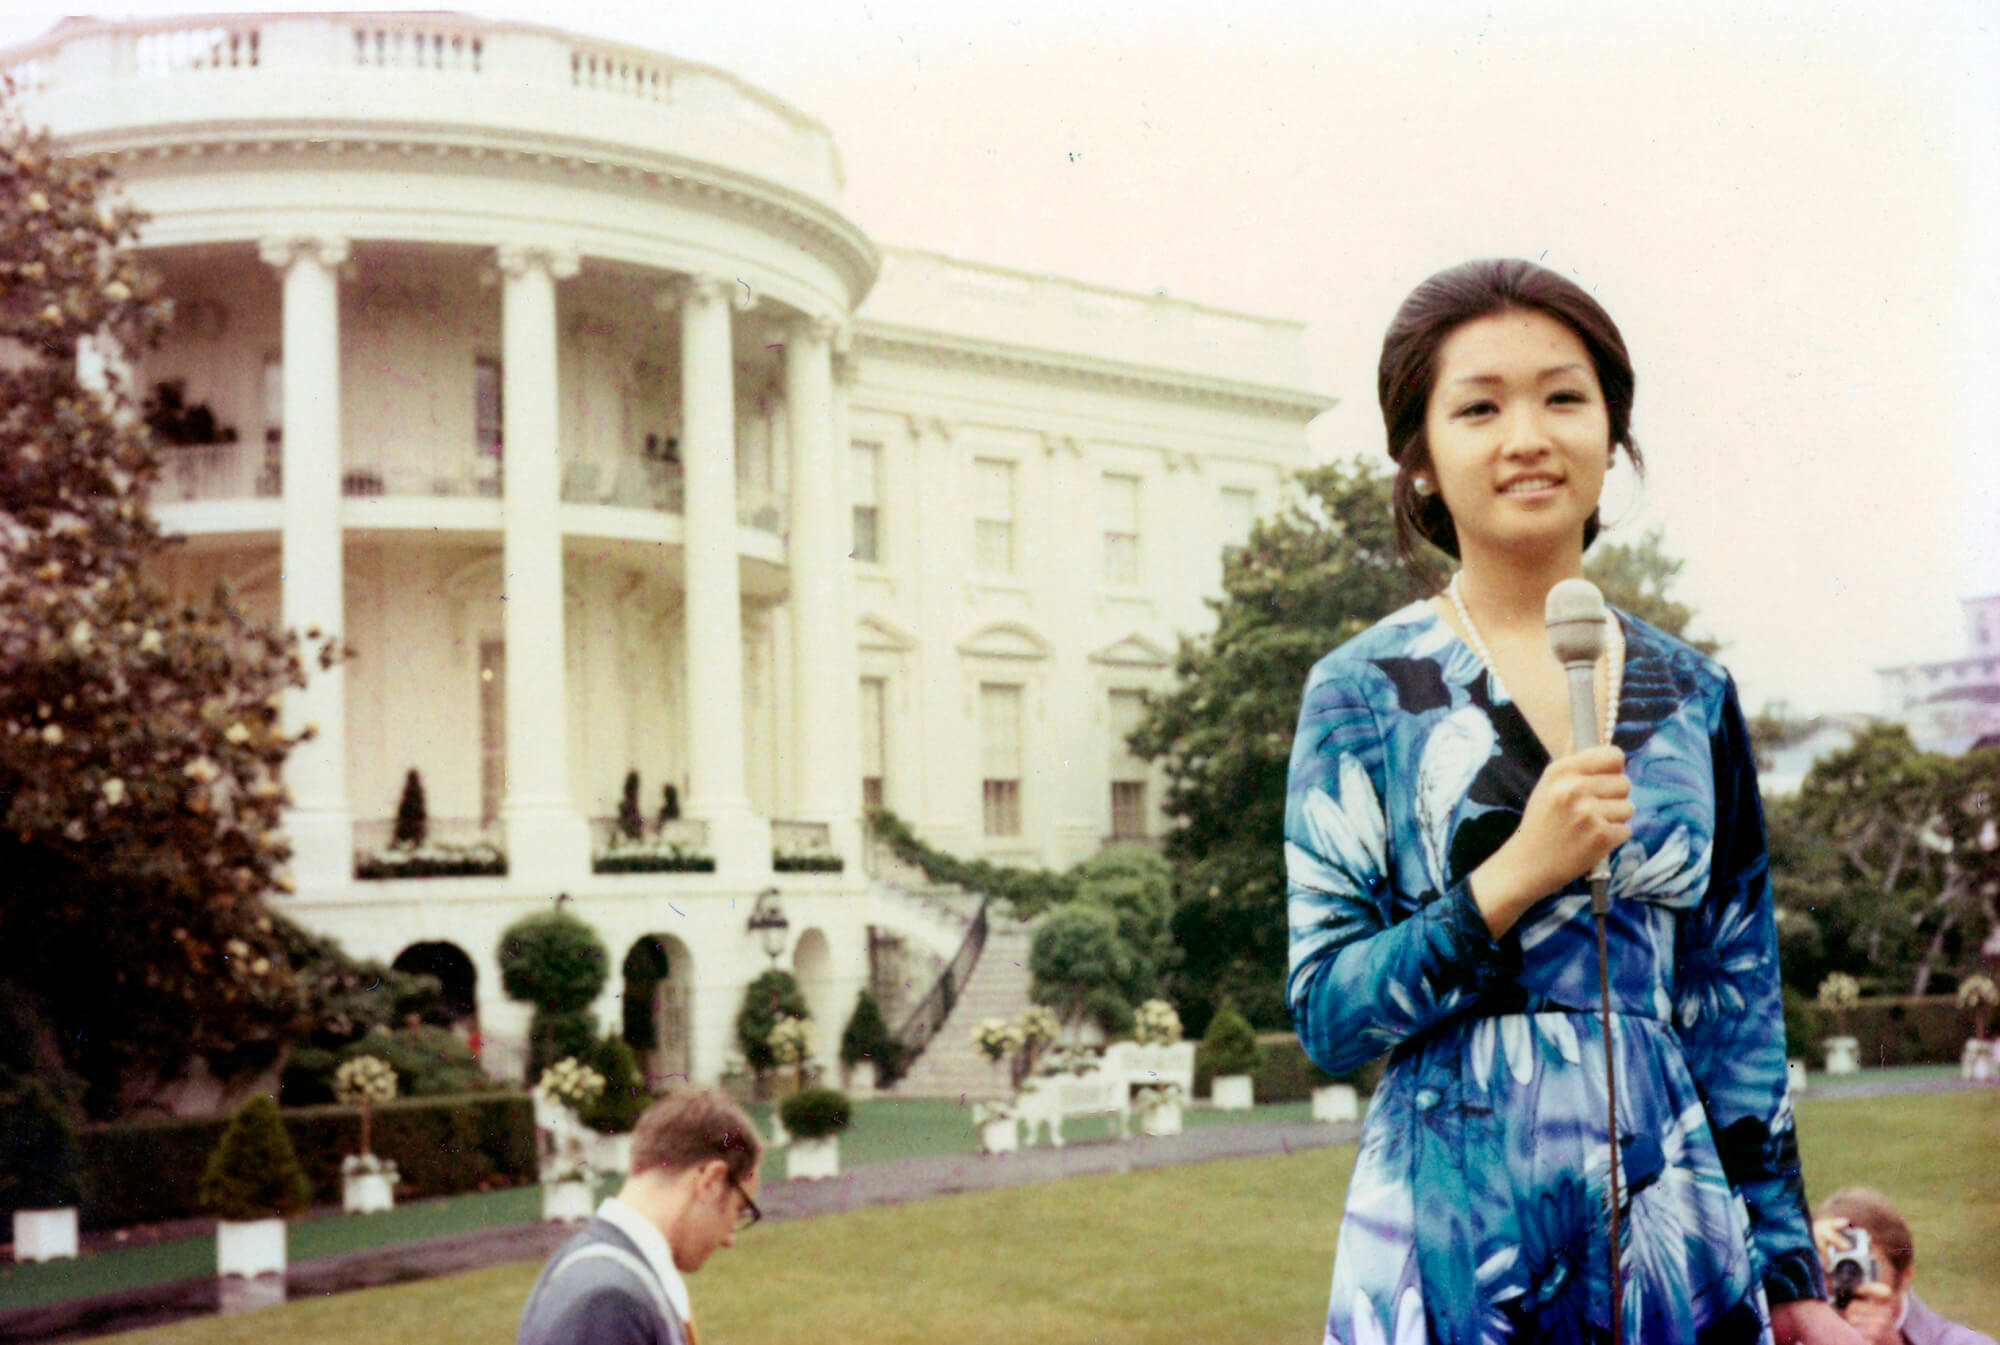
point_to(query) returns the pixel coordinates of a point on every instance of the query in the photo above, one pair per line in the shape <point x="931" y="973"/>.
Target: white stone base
<point x="1980" y="1061"/>
<point x="367" y="1192"/>
<point x="568" y="1201"/>
<point x="1001" y="1135"/>
<point x="1231" y="1092"/>
<point x="1843" y="1055"/>
<point x="1164" y="1119"/>
<point x="1336" y="1102"/>
<point x="813" y="1160"/>
<point x="250" y="1247"/>
<point x="44" y="1235"/>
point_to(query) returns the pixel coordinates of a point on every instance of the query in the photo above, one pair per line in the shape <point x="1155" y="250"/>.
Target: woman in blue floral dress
<point x="1437" y="830"/>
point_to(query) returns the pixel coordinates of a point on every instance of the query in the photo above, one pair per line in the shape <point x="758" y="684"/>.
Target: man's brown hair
<point x="684" y="1130"/>
<point x="1874" y="1213"/>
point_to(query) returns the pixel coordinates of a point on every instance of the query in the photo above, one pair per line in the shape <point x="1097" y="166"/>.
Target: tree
<point x="1309" y="579"/>
<point x="1075" y="957"/>
<point x="772" y="996"/>
<point x="630" y="825"/>
<point x="413" y="817"/>
<point x="557" y="963"/>
<point x="1137" y="887"/>
<point x="141" y="809"/>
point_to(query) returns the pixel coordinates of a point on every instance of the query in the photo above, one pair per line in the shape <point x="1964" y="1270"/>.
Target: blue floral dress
<point x="1476" y="1210"/>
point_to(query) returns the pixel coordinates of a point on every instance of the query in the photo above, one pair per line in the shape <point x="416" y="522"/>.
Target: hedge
<point x="139" y="1172"/>
<point x="1285" y="1073"/>
<point x="1894" y="1030"/>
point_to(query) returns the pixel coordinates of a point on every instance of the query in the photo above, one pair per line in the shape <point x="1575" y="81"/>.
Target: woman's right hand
<point x="1578" y="813"/>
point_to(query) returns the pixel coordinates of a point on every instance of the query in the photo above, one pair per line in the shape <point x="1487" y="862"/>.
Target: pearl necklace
<point x="1614" y="656"/>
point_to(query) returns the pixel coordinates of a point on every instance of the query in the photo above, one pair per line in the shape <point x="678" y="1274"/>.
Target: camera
<point x="1851" y="1268"/>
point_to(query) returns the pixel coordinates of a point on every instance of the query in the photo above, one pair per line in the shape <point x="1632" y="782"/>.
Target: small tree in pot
<point x="1977" y="996"/>
<point x="39" y="1164"/>
<point x="815" y="1117"/>
<point x="1232" y="1055"/>
<point x="867" y="1049"/>
<point x="367" y="1183"/>
<point x="1838" y="994"/>
<point x="413" y="819"/>
<point x="252" y="1183"/>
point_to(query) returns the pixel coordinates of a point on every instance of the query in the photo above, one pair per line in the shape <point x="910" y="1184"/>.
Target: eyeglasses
<point x="750" y="1213"/>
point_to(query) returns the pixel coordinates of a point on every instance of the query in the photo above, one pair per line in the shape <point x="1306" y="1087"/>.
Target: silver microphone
<point x="1576" y="617"/>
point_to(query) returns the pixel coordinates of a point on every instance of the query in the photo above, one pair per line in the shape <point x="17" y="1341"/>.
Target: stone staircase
<point x="951" y="1066"/>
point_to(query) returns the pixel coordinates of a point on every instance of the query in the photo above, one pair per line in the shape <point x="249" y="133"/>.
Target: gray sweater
<point x="598" y="1290"/>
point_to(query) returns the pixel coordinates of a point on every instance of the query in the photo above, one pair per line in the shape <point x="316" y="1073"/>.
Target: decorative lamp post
<point x="768" y="923"/>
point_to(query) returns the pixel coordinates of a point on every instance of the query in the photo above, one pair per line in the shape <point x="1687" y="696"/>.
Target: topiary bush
<point x="553" y="961"/>
<point x="558" y="1036"/>
<point x="39" y="1166"/>
<point x="867" y="1038"/>
<point x="1230" y="1046"/>
<point x="816" y="1113"/>
<point x="413" y="819"/>
<point x="254" y="1173"/>
<point x="616" y="1110"/>
<point x="429" y="1061"/>
<point x="773" y="995"/>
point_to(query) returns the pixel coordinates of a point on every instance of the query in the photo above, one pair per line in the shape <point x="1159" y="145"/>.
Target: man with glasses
<point x="692" y="1190"/>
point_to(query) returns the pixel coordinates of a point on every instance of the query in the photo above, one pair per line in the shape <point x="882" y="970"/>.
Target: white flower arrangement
<point x="1839" y="992"/>
<point x="1978" y="992"/>
<point x="1155" y="1023"/>
<point x="1005" y="1110"/>
<point x="1070" y="1060"/>
<point x="570" y="1083"/>
<point x="1038" y="1026"/>
<point x="360" y="1165"/>
<point x="366" y="1079"/>
<point x="790" y="1040"/>
<point x="997" y="1038"/>
<point x="1150" y="1097"/>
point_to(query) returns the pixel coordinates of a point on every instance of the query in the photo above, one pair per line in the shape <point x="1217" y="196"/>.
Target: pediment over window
<point x="878" y="636"/>
<point x="1006" y="641"/>
<point x="1134" y="651"/>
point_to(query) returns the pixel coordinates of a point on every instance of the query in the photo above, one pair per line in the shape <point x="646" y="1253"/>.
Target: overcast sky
<point x="1792" y="212"/>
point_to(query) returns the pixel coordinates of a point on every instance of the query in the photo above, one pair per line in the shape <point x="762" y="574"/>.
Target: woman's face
<point x="1519" y="435"/>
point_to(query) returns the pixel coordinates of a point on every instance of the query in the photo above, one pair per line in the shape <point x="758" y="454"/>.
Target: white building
<point x="1953" y="704"/>
<point x="550" y="374"/>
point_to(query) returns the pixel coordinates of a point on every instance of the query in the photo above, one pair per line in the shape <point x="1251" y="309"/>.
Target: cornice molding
<point x="1086" y="370"/>
<point x="810" y="225"/>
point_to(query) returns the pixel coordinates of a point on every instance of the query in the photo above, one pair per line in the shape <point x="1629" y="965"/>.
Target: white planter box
<point x="861" y="1080"/>
<point x="1981" y="1061"/>
<point x="1795" y="1076"/>
<point x="44" y="1235"/>
<point x="610" y="1153"/>
<point x="813" y="1160"/>
<point x="567" y="1201"/>
<point x="1843" y="1055"/>
<point x="1231" y="1092"/>
<point x="250" y="1247"/>
<point x="1336" y="1102"/>
<point x="1164" y="1119"/>
<point x="368" y="1192"/>
<point x="1001" y="1135"/>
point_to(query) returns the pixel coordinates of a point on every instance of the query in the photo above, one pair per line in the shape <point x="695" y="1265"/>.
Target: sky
<point x="1792" y="211"/>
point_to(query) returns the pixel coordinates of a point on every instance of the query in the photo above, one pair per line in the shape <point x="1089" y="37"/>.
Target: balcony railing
<point x="803" y="847"/>
<point x="233" y="471"/>
<point x="676" y="846"/>
<point x="631" y="481"/>
<point x="453" y="847"/>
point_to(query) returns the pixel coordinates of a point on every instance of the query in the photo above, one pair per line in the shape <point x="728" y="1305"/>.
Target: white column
<point x="717" y="791"/>
<point x="546" y="839"/>
<point x="825" y="697"/>
<point x="320" y="823"/>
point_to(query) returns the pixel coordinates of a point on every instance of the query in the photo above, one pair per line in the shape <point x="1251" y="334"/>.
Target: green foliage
<point x="429" y="1061"/>
<point x="1285" y="1073"/>
<point x="867" y="1037"/>
<point x="1637" y="579"/>
<point x="1076" y="953"/>
<point x="616" y="1110"/>
<point x="254" y="1173"/>
<point x="1028" y="891"/>
<point x="413" y="819"/>
<point x="1137" y="886"/>
<point x="1804" y="1027"/>
<point x="553" y="961"/>
<point x="39" y="1165"/>
<point x="1111" y="1011"/>
<point x="141" y="808"/>
<point x="773" y="995"/>
<point x="815" y="1113"/>
<point x="558" y="1036"/>
<point x="629" y="824"/>
<point x="1230" y="1044"/>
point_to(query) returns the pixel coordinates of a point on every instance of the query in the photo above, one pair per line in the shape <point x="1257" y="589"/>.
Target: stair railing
<point x="928" y="1017"/>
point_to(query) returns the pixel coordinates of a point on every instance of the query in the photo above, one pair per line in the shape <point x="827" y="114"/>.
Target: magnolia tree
<point x="140" y="743"/>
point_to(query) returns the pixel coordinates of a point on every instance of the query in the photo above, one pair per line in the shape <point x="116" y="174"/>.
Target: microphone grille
<point x="1575" y="615"/>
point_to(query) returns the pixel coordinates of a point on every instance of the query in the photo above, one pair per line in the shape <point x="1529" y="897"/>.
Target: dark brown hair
<point x="1409" y="367"/>
<point x="1875" y="1214"/>
<point x="685" y="1130"/>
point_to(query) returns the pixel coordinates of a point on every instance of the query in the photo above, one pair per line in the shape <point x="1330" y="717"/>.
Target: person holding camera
<point x="1866" y="1248"/>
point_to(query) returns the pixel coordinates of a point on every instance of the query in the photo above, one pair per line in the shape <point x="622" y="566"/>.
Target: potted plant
<point x="569" y="1181"/>
<point x="815" y="1117"/>
<point x="612" y="1115"/>
<point x="1158" y="1106"/>
<point x="39" y="1166"/>
<point x="1977" y="996"/>
<point x="1036" y="1029"/>
<point x="413" y="819"/>
<point x="367" y="1183"/>
<point x="252" y="1182"/>
<point x="999" y="1126"/>
<point x="773" y="995"/>
<point x="868" y="1054"/>
<point x="997" y="1040"/>
<point x="1838" y="994"/>
<point x="790" y="1041"/>
<point x="1231" y="1048"/>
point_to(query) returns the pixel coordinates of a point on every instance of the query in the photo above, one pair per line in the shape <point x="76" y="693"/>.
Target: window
<point x="492" y="729"/>
<point x="1239" y="515"/>
<point x="865" y="488"/>
<point x="1000" y="757"/>
<point x="874" y="742"/>
<point x="1121" y="528"/>
<point x="1127" y="772"/>
<point x="486" y="409"/>
<point x="993" y="515"/>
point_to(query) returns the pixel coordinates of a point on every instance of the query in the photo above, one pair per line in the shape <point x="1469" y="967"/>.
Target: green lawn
<point x="1224" y="1252"/>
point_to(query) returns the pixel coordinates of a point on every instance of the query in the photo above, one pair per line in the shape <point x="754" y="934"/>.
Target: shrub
<point x="559" y="1036"/>
<point x="1804" y="1027"/>
<point x="867" y="1038"/>
<point x="772" y="996"/>
<point x="553" y="961"/>
<point x="413" y="823"/>
<point x="429" y="1061"/>
<point x="1110" y="1011"/>
<point x="629" y="824"/>
<point x="816" y="1113"/>
<point x="39" y="1165"/>
<point x="254" y="1173"/>
<point x="1231" y="1043"/>
<point x="616" y="1110"/>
